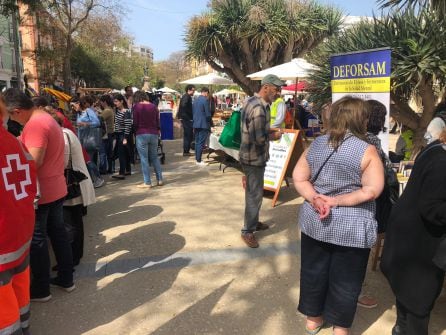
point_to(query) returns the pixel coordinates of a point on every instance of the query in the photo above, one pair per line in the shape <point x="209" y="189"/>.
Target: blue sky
<point x="161" y="24"/>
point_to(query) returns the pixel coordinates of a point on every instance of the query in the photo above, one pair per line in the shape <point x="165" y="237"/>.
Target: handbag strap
<point x="70" y="160"/>
<point x="313" y="180"/>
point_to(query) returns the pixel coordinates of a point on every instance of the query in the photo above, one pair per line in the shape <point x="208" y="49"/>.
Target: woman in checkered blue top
<point x="339" y="175"/>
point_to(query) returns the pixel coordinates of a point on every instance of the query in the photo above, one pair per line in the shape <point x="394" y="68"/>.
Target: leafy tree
<point x="88" y="68"/>
<point x="239" y="37"/>
<point x="69" y="16"/>
<point x="7" y="7"/>
<point x="418" y="43"/>
<point x="102" y="56"/>
<point x="172" y="71"/>
<point x="439" y="6"/>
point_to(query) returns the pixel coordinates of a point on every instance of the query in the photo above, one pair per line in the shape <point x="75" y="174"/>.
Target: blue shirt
<point x="90" y="117"/>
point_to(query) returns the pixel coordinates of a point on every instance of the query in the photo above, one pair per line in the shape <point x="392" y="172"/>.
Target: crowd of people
<point x="51" y="161"/>
<point x="341" y="176"/>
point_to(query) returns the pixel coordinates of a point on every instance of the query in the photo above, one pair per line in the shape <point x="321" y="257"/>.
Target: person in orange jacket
<point x="18" y="191"/>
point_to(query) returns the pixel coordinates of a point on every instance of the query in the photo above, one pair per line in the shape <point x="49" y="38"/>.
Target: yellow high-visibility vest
<point x="274" y="112"/>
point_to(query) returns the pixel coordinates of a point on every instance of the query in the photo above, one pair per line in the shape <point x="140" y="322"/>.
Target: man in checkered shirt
<point x="254" y="152"/>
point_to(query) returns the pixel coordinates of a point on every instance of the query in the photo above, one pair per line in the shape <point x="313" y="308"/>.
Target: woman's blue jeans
<point x="147" y="146"/>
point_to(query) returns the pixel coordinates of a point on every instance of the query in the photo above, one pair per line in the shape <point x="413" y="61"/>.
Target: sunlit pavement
<point x="169" y="260"/>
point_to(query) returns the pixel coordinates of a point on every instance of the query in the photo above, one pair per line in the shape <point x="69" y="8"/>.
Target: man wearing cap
<point x="254" y="152"/>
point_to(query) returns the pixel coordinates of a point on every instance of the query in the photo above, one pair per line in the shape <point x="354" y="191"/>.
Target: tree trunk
<point x="67" y="65"/>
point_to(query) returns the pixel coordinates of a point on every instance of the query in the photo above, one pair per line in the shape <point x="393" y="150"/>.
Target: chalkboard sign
<point x="283" y="156"/>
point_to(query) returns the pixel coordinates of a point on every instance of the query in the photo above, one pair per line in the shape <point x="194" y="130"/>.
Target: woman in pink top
<point x="146" y="122"/>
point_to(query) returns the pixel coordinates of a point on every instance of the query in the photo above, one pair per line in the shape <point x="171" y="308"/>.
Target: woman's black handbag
<point x="388" y="197"/>
<point x="73" y="178"/>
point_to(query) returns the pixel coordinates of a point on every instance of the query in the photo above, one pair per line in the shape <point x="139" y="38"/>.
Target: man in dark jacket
<point x="202" y="122"/>
<point x="186" y="116"/>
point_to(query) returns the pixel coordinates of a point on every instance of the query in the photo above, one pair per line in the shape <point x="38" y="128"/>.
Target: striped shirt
<point x="123" y="122"/>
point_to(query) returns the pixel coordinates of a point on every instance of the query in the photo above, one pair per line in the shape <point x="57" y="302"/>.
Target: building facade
<point x="8" y="74"/>
<point x="143" y="51"/>
<point x="28" y="40"/>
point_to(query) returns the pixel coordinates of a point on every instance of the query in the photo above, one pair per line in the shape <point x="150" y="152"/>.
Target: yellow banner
<point x="361" y="85"/>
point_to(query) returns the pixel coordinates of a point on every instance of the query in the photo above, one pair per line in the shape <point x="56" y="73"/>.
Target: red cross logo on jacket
<point x="16" y="176"/>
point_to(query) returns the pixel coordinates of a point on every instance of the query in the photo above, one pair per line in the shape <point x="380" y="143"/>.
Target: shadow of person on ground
<point x="125" y="283"/>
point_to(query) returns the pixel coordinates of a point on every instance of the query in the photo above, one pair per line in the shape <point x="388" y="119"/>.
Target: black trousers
<point x="188" y="135"/>
<point x="408" y="323"/>
<point x="123" y="154"/>
<point x="74" y="225"/>
<point x="331" y="278"/>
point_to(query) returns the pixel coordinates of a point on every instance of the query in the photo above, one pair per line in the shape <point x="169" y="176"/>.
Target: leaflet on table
<point x="279" y="152"/>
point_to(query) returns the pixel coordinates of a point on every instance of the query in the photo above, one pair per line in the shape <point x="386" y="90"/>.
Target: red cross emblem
<point x="16" y="176"/>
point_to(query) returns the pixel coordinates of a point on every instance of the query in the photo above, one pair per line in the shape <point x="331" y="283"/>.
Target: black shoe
<point x="56" y="267"/>
<point x="187" y="154"/>
<point x="261" y="226"/>
<point x="67" y="287"/>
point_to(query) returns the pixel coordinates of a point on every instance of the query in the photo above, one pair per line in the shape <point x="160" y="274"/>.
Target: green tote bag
<point x="230" y="136"/>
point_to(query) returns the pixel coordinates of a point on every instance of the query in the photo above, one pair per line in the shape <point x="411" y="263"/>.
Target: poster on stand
<point x="279" y="153"/>
<point x="364" y="74"/>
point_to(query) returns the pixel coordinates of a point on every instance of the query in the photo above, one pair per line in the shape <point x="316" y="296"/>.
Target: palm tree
<point x="418" y="42"/>
<point x="438" y="5"/>
<point x="239" y="37"/>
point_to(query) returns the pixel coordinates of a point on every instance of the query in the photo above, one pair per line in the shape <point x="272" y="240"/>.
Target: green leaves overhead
<point x="418" y="43"/>
<point x="438" y="7"/>
<point x="239" y="37"/>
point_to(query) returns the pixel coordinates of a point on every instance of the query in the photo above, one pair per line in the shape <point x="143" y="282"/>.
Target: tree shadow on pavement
<point x="235" y="308"/>
<point x="143" y="270"/>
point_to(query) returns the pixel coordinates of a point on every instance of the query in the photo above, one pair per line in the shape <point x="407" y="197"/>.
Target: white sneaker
<point x="99" y="182"/>
<point x="201" y="164"/>
<point x="144" y="185"/>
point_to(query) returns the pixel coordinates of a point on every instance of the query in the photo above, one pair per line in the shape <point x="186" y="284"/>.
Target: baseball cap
<point x="272" y="79"/>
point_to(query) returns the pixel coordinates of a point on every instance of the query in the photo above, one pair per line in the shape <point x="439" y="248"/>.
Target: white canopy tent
<point x="296" y="68"/>
<point x="209" y="79"/>
<point x="167" y="90"/>
<point x="226" y="92"/>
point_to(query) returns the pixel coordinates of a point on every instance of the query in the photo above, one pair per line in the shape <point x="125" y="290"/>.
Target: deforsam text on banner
<point x="364" y="74"/>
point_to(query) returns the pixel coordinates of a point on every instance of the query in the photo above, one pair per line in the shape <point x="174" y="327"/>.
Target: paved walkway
<point x="170" y="261"/>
